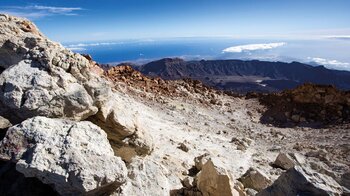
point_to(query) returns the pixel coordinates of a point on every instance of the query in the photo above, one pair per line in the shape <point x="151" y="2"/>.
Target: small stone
<point x="185" y="173"/>
<point x="241" y="143"/>
<point x="188" y="182"/>
<point x="284" y="161"/>
<point x="200" y="160"/>
<point x="183" y="147"/>
<point x="255" y="179"/>
<point x="251" y="192"/>
<point x="4" y="123"/>
<point x="275" y="148"/>
<point x="295" y="118"/>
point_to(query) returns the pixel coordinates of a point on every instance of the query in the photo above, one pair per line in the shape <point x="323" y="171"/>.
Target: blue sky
<point x="91" y="20"/>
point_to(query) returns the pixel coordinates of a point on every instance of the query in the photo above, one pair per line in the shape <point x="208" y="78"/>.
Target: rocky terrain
<point x="69" y="127"/>
<point x="245" y="76"/>
<point x="306" y="105"/>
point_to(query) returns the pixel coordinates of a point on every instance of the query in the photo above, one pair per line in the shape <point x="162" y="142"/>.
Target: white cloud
<point x="340" y="37"/>
<point x="252" y="47"/>
<point x="76" y="49"/>
<point x="83" y="46"/>
<point x="58" y="10"/>
<point x="330" y="63"/>
<point x="93" y="44"/>
<point x="38" y="11"/>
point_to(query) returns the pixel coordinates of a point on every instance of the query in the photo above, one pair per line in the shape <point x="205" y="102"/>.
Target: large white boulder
<point x="28" y="90"/>
<point x="74" y="157"/>
<point x="40" y="77"/>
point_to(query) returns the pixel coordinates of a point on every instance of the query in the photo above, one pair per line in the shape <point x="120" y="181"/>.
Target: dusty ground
<point x="230" y="131"/>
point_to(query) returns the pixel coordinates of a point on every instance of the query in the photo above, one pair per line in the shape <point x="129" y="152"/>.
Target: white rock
<point x="146" y="177"/>
<point x="73" y="156"/>
<point x="30" y="91"/>
<point x="214" y="181"/>
<point x="117" y="115"/>
<point x="140" y="143"/>
<point x="42" y="78"/>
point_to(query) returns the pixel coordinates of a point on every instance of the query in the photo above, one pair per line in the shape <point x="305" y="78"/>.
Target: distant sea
<point x="332" y="53"/>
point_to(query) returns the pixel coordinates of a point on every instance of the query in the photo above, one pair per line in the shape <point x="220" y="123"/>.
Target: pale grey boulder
<point x="302" y="181"/>
<point x="28" y="90"/>
<point x="40" y="77"/>
<point x="119" y="116"/>
<point x="21" y="40"/>
<point x="73" y="157"/>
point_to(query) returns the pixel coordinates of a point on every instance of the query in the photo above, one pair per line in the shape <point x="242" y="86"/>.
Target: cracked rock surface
<point x="75" y="157"/>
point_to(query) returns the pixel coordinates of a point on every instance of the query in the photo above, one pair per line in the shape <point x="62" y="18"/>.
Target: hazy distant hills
<point x="247" y="76"/>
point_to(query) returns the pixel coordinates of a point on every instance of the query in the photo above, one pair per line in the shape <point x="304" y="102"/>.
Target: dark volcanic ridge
<point x="245" y="76"/>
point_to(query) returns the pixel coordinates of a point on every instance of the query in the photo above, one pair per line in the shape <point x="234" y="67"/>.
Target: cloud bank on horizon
<point x="339" y="37"/>
<point x="330" y="63"/>
<point x="253" y="47"/>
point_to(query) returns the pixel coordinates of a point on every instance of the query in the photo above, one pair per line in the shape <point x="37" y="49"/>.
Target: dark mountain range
<point x="244" y="76"/>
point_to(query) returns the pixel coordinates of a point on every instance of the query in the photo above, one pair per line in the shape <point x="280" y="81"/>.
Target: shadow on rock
<point x="14" y="183"/>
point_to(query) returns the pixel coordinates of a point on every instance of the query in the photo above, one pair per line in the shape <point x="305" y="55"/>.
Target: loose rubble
<point x="307" y="105"/>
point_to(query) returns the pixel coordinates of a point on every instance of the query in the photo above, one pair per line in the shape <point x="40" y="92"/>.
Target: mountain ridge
<point x="244" y="76"/>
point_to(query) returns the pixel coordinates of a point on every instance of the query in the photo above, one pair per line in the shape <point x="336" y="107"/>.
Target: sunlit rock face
<point x="40" y="77"/>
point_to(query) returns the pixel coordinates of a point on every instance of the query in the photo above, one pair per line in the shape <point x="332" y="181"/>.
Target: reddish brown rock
<point x="309" y="104"/>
